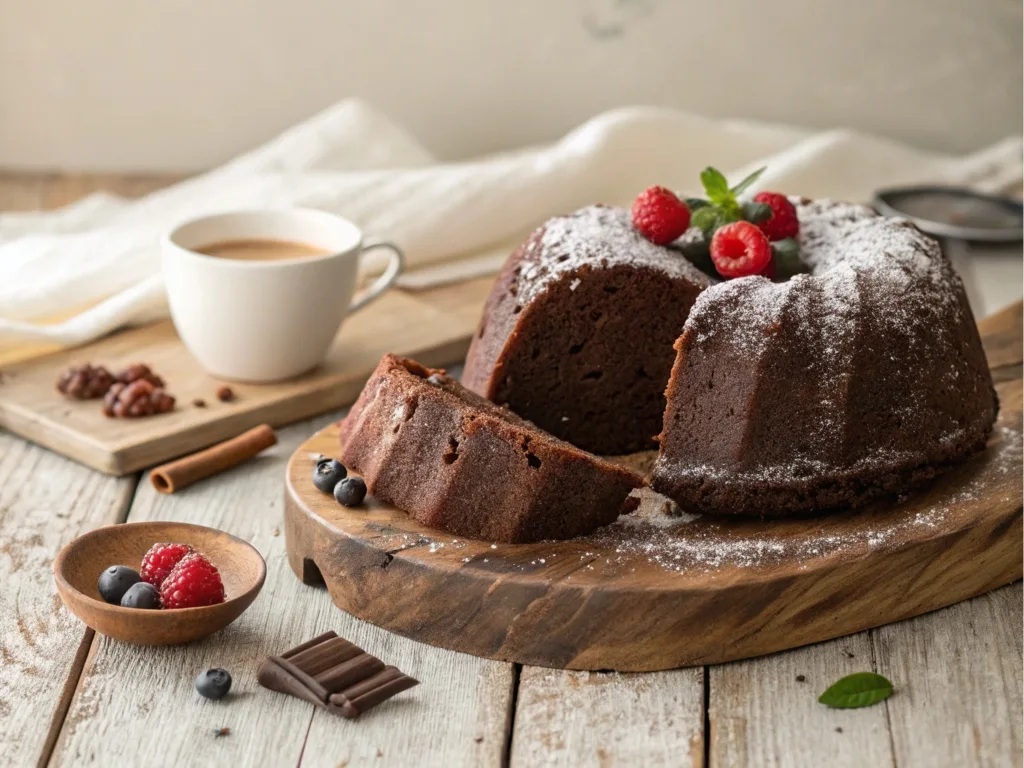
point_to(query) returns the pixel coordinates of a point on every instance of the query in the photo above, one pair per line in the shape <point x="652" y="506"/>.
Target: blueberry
<point x="141" y="595"/>
<point x="115" y="581"/>
<point x="350" y="492"/>
<point x="328" y="473"/>
<point x="214" y="683"/>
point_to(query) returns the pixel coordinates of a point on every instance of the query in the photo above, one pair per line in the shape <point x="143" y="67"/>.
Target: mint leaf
<point x="787" y="259"/>
<point x="696" y="251"/>
<point x="693" y="203"/>
<point x="710" y="218"/>
<point x="861" y="689"/>
<point x="788" y="248"/>
<point x="742" y="186"/>
<point x="706" y="220"/>
<point x="716" y="186"/>
<point x="755" y="213"/>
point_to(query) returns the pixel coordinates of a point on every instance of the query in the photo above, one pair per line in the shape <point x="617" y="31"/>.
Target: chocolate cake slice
<point x="577" y="333"/>
<point x="456" y="461"/>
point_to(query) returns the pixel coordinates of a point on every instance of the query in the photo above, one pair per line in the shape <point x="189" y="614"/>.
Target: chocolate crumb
<point x="839" y="729"/>
<point x="848" y="654"/>
<point x="380" y="752"/>
<point x="670" y="509"/>
<point x="218" y="732"/>
<point x="800" y="678"/>
<point x="478" y="739"/>
<point x="225" y="394"/>
<point x="199" y="402"/>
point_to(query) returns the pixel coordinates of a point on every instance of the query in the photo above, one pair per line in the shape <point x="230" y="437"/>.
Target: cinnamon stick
<point x="182" y="472"/>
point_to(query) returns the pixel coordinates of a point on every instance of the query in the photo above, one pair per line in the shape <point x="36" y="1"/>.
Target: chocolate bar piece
<point x="332" y="673"/>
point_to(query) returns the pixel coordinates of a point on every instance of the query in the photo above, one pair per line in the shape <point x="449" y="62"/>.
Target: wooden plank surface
<point x="45" y="501"/>
<point x="566" y="718"/>
<point x="959" y="681"/>
<point x="957" y="701"/>
<point x="137" y="705"/>
<point x="765" y="712"/>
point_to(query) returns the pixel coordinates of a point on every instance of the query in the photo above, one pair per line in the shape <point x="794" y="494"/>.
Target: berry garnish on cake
<point x="739" y="249"/>
<point x="782" y="223"/>
<point x="660" y="216"/>
<point x="765" y="245"/>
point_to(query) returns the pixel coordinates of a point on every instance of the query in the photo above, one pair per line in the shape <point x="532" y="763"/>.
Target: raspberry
<point x="193" y="582"/>
<point x="160" y="560"/>
<point x="783" y="222"/>
<point x="740" y="249"/>
<point x="660" y="216"/>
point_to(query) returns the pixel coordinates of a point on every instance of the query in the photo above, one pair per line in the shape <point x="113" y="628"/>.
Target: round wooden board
<point x="652" y="592"/>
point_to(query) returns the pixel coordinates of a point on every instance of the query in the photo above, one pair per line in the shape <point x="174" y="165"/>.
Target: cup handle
<point x="386" y="280"/>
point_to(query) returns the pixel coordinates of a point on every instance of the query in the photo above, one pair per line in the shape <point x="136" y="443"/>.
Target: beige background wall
<point x="184" y="84"/>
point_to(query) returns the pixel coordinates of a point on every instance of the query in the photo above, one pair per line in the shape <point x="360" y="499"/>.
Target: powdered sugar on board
<point x="688" y="544"/>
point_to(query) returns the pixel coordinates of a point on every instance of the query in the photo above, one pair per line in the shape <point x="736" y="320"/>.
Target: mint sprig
<point x="740" y="188"/>
<point x="716" y="187"/>
<point x="861" y="689"/>
<point x="722" y="205"/>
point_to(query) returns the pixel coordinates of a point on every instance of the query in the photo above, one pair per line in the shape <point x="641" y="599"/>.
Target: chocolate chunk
<point x="332" y="673"/>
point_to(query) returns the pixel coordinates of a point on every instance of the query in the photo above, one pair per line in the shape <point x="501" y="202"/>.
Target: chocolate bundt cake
<point x="577" y="333"/>
<point x="863" y="377"/>
<point x="458" y="462"/>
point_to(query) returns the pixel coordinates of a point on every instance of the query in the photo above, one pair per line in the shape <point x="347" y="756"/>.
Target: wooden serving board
<point x="434" y="326"/>
<point x="656" y="593"/>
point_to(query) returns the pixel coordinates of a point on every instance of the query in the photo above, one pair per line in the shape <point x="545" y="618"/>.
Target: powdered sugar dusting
<point x="690" y="544"/>
<point x="595" y="237"/>
<point x="879" y="288"/>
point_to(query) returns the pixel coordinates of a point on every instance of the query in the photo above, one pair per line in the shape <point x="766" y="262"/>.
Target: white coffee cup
<point x="263" y="321"/>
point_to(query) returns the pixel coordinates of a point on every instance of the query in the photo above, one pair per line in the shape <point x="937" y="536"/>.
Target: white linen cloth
<point x="95" y="265"/>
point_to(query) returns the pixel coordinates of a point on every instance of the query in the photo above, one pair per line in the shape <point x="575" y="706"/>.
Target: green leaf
<point x="742" y="186"/>
<point x="705" y="219"/>
<point x="693" y="203"/>
<point x="697" y="253"/>
<point x="715" y="185"/>
<point x="788" y="247"/>
<point x="858" y="690"/>
<point x="787" y="259"/>
<point x="755" y="213"/>
<point x="711" y="217"/>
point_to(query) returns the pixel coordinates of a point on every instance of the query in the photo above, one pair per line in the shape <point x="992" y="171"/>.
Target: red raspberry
<point x="160" y="560"/>
<point x="740" y="249"/>
<point x="660" y="216"/>
<point x="193" y="582"/>
<point x="783" y="222"/>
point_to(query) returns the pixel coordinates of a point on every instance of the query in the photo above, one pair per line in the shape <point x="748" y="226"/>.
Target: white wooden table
<point x="70" y="697"/>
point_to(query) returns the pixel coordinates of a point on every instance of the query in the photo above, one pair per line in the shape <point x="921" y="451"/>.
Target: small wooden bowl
<point x="80" y="563"/>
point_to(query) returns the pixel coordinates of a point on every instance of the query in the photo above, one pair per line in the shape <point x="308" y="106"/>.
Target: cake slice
<point x="456" y="461"/>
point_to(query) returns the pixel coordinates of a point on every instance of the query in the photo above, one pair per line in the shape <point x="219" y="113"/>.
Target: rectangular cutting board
<point x="432" y="326"/>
